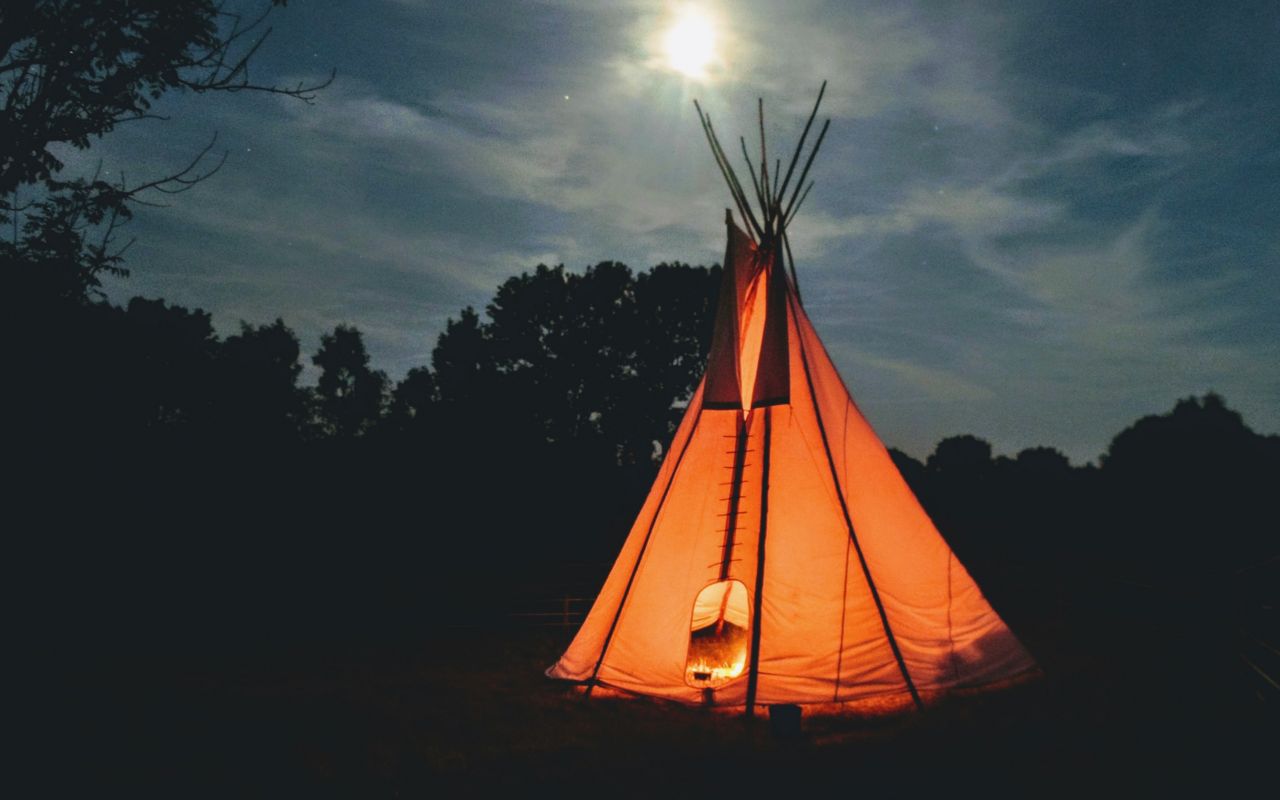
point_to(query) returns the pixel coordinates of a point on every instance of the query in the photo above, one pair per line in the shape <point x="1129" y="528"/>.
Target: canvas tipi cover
<point x="780" y="557"/>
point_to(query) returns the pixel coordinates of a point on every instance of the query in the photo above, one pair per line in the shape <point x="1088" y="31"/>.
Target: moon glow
<point x="691" y="44"/>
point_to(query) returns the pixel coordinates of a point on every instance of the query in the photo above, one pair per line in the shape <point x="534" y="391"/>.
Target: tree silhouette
<point x="146" y="371"/>
<point x="73" y="71"/>
<point x="258" y="393"/>
<point x="1193" y="483"/>
<point x="964" y="456"/>
<point x="1197" y="436"/>
<point x="412" y="402"/>
<point x="596" y="359"/>
<point x="1046" y="462"/>
<point x="465" y="370"/>
<point x="351" y="396"/>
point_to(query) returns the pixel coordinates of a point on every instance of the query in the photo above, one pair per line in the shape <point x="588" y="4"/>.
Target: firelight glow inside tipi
<point x="780" y="557"/>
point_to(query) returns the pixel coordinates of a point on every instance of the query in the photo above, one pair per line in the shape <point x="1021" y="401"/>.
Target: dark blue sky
<point x="1033" y="221"/>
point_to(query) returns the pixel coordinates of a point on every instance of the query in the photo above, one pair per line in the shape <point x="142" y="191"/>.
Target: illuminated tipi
<point x="780" y="557"/>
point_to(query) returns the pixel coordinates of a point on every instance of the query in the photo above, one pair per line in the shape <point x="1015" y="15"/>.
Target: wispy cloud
<point x="919" y="381"/>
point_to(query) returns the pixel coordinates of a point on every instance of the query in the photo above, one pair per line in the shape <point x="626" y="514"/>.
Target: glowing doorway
<point x="718" y="635"/>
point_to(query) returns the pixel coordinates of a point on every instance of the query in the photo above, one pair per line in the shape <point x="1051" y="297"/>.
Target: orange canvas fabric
<point x="722" y="382"/>
<point x="772" y="383"/>
<point x="838" y="511"/>
<point x="747" y="366"/>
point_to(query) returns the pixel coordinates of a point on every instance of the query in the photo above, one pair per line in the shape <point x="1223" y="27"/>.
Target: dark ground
<point x="1128" y="705"/>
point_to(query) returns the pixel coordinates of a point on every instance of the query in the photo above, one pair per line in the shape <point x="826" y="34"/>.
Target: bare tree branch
<point x="71" y="72"/>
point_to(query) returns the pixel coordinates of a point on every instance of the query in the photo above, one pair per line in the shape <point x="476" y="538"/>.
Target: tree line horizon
<point x="566" y="392"/>
<point x="501" y="353"/>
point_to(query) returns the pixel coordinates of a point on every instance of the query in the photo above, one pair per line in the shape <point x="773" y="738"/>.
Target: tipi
<point x="780" y="558"/>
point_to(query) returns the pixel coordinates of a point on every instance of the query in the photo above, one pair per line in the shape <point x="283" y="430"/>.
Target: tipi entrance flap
<point x="725" y="601"/>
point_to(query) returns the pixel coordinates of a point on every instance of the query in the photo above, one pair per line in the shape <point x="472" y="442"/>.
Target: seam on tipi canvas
<point x="951" y="638"/>
<point x="844" y="610"/>
<point x="844" y="589"/>
<point x="622" y="604"/>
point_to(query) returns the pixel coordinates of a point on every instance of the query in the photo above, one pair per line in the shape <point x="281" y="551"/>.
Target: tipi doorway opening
<point x="718" y="635"/>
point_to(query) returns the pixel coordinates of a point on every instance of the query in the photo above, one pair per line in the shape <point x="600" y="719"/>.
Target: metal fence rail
<point x="572" y="611"/>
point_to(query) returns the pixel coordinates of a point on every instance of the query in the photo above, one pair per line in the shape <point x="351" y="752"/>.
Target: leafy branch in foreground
<point x="71" y="71"/>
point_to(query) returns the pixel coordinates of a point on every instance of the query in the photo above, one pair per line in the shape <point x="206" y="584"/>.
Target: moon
<point x="691" y="44"/>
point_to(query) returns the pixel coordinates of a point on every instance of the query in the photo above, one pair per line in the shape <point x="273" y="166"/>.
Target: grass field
<point x="1121" y="710"/>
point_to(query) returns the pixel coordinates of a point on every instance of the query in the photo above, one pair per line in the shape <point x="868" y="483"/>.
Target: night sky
<point x="1033" y="221"/>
